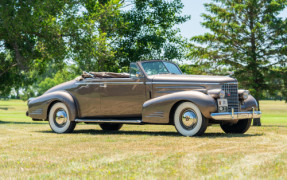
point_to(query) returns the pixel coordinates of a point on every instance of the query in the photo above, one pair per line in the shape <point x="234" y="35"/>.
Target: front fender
<point x="39" y="107"/>
<point x="249" y="103"/>
<point x="157" y="110"/>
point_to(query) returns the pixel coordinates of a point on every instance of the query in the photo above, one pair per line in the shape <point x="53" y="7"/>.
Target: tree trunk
<point x="17" y="94"/>
<point x="256" y="121"/>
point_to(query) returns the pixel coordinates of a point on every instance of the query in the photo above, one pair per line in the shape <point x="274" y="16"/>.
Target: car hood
<point x="191" y="78"/>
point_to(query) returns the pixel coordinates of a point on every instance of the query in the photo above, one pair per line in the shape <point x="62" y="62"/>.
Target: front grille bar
<point x="231" y="94"/>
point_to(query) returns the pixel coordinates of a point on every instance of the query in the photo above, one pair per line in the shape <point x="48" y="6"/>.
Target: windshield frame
<point x="142" y="68"/>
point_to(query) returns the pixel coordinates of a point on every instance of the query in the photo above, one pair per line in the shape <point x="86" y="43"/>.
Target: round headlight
<point x="221" y="94"/>
<point x="245" y="95"/>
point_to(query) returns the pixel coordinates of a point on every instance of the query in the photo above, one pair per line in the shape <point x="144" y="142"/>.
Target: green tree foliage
<point x="96" y="35"/>
<point x="115" y="33"/>
<point x="31" y="34"/>
<point x="49" y="80"/>
<point x="61" y="76"/>
<point x="97" y="23"/>
<point x="276" y="78"/>
<point x="246" y="35"/>
<point x="199" y="69"/>
<point x="150" y="32"/>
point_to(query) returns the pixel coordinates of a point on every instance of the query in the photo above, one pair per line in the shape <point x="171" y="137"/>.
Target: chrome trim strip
<point x="236" y="115"/>
<point x="174" y="91"/>
<point x="123" y="82"/>
<point x="88" y="83"/>
<point x="156" y="114"/>
<point x="111" y="83"/>
<point x="37" y="111"/>
<point x="169" y="83"/>
<point x="180" y="87"/>
<point x="153" y="116"/>
<point x="136" y="121"/>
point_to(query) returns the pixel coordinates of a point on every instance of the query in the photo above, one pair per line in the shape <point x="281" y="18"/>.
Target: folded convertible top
<point x="107" y="75"/>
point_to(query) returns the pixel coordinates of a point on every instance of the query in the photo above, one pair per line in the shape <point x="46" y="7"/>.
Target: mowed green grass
<point x="29" y="150"/>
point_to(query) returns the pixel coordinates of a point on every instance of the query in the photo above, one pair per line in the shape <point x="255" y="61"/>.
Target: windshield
<point x="160" y="67"/>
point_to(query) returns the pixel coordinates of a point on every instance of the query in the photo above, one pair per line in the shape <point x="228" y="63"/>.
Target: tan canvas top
<point x="106" y="75"/>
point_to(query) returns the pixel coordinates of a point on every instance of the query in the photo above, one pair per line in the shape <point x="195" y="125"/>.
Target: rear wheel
<point x="111" y="127"/>
<point x="240" y="127"/>
<point x="188" y="120"/>
<point x="59" y="119"/>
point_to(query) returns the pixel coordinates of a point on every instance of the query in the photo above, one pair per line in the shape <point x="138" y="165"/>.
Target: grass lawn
<point x="29" y="150"/>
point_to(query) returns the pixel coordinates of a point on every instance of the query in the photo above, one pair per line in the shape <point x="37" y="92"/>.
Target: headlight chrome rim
<point x="245" y="95"/>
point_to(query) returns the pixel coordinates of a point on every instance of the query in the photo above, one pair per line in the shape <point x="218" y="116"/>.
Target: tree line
<point x="43" y="43"/>
<point x="40" y="38"/>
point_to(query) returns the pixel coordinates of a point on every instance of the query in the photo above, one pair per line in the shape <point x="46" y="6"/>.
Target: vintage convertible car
<point x="154" y="92"/>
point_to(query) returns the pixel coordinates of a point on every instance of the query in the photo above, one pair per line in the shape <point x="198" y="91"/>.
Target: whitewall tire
<point x="59" y="119"/>
<point x="188" y="120"/>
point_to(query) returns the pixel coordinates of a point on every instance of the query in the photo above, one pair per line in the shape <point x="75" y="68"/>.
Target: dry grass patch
<point x="29" y="150"/>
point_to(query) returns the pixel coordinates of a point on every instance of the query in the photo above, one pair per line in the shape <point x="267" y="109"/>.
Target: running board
<point x="132" y="121"/>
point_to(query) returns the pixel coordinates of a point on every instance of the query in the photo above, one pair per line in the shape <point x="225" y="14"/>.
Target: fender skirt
<point x="39" y="107"/>
<point x="158" y="110"/>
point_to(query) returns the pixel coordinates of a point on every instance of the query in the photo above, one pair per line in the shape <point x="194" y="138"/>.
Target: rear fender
<point x="39" y="107"/>
<point x="157" y="110"/>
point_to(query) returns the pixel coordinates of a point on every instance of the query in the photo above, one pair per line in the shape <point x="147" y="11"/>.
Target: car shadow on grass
<point x="153" y="133"/>
<point x="19" y="122"/>
<point x="218" y="135"/>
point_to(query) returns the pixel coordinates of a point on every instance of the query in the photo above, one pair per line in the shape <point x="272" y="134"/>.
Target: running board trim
<point x="135" y="121"/>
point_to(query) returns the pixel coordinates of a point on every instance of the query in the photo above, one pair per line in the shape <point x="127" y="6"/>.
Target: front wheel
<point x="59" y="119"/>
<point x="188" y="120"/>
<point x="240" y="127"/>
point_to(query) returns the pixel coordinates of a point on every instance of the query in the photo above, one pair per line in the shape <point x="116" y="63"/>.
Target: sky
<point x="193" y="27"/>
<point x="195" y="8"/>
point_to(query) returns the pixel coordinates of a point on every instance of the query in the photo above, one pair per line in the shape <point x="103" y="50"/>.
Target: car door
<point x="123" y="97"/>
<point x="87" y="95"/>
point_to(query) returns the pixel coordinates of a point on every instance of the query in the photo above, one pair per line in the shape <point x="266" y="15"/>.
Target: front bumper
<point x="236" y="115"/>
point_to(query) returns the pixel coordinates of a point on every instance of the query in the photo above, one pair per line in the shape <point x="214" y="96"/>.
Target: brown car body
<point x="143" y="98"/>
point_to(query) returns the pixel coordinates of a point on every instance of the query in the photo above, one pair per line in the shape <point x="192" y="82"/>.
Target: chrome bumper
<point x="236" y="115"/>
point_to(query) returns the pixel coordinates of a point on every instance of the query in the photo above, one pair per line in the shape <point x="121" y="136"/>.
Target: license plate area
<point x="222" y="105"/>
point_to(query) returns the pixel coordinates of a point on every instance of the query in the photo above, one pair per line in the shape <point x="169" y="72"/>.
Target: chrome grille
<point x="231" y="94"/>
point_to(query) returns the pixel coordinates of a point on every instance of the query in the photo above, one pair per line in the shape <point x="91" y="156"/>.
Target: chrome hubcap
<point x="61" y="117"/>
<point x="189" y="119"/>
